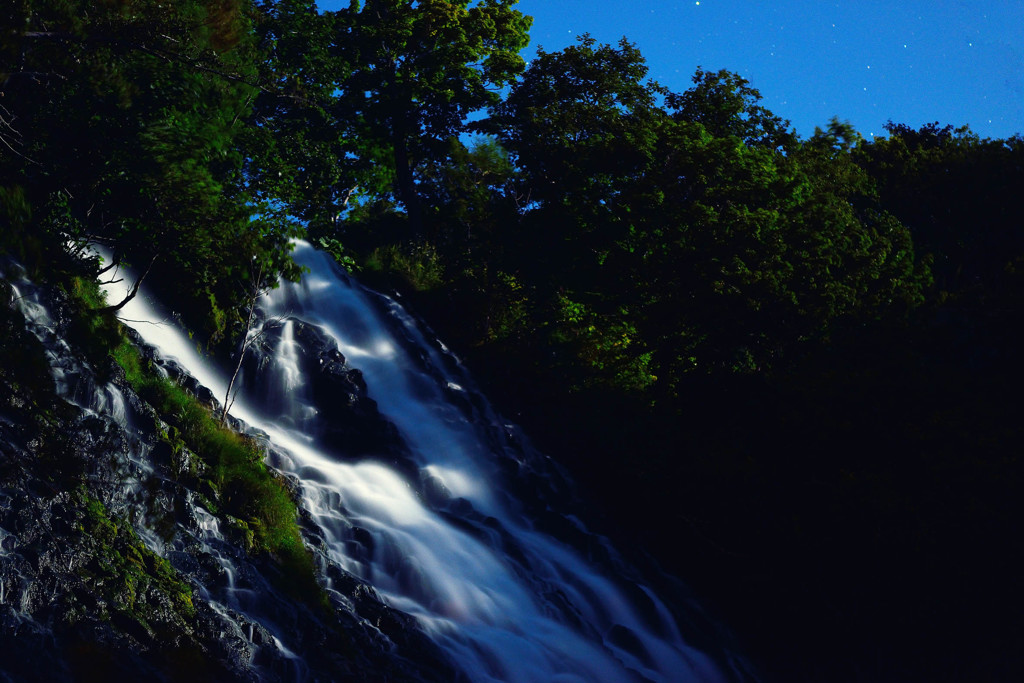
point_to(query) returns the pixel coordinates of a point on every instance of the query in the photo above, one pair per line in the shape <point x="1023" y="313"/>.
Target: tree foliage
<point x="419" y="69"/>
<point x="299" y="161"/>
<point x="954" y="191"/>
<point x="648" y="234"/>
<point x="127" y="117"/>
<point x="726" y="105"/>
<point x="696" y="220"/>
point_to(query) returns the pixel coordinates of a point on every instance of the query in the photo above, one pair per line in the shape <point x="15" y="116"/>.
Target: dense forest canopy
<point x="635" y="233"/>
<point x="613" y="258"/>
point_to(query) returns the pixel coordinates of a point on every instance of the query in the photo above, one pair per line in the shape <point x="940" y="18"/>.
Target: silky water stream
<point x="454" y="526"/>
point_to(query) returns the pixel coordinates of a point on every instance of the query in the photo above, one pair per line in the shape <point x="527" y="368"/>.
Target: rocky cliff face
<point x="114" y="560"/>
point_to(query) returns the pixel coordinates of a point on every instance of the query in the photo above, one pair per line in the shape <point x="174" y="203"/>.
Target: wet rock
<point x="349" y="422"/>
<point x="172" y="369"/>
<point x="110" y="565"/>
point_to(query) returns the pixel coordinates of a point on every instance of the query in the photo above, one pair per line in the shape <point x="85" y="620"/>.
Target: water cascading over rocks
<point x="419" y="489"/>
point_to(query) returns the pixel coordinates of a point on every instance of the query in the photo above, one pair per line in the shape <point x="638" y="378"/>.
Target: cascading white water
<point x="506" y="601"/>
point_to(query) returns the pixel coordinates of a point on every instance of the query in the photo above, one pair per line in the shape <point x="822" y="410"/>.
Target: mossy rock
<point x="123" y="568"/>
<point x="242" y="532"/>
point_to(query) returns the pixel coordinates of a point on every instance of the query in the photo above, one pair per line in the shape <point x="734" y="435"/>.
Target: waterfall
<point x="45" y="558"/>
<point x="447" y="527"/>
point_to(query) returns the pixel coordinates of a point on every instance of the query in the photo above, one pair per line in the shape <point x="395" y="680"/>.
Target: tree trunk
<point x="132" y="292"/>
<point x="229" y="400"/>
<point x="258" y="285"/>
<point x="406" y="186"/>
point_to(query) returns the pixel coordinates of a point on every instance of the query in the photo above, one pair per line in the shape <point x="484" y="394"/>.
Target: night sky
<point x="912" y="61"/>
<point x="866" y="61"/>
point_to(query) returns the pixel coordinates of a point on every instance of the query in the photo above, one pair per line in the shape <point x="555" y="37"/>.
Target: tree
<point x="870" y="258"/>
<point x="469" y="196"/>
<point x="712" y="234"/>
<point x="419" y="69"/>
<point x="580" y="120"/>
<point x="300" y="162"/>
<point x="582" y="127"/>
<point x="750" y="253"/>
<point x="726" y="105"/>
<point x="256" y="288"/>
<point x="957" y="192"/>
<point x="130" y="113"/>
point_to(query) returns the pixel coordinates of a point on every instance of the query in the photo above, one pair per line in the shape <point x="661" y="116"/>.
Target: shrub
<point x="417" y="264"/>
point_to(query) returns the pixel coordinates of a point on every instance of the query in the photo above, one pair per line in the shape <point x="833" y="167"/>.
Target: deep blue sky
<point x="866" y="61"/>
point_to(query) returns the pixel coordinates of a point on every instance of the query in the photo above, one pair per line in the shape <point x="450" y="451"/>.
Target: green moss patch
<point x="134" y="581"/>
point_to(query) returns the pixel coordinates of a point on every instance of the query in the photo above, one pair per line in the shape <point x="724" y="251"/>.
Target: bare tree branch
<point x="7" y="130"/>
<point x="257" y="286"/>
<point x="167" y="56"/>
<point x="113" y="264"/>
<point x="133" y="291"/>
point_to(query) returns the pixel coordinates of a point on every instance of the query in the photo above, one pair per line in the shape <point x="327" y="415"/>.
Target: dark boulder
<point x="347" y="421"/>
